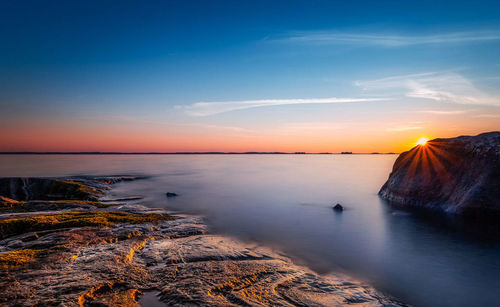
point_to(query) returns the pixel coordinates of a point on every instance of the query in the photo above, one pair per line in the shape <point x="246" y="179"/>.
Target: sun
<point x="422" y="141"/>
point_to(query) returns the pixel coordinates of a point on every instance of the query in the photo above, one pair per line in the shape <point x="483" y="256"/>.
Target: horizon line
<point x="189" y="153"/>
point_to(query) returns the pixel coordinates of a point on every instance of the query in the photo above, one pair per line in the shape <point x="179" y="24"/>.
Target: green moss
<point x="14" y="226"/>
<point x="6" y="204"/>
<point x="73" y="190"/>
<point x="97" y="204"/>
<point x="17" y="258"/>
<point x="11" y="205"/>
<point x="28" y="206"/>
<point x="103" y="205"/>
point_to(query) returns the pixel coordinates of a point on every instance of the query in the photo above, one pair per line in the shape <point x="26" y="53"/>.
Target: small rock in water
<point x="171" y="194"/>
<point x="338" y="208"/>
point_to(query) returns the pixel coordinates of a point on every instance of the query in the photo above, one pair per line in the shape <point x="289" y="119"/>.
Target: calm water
<point x="285" y="201"/>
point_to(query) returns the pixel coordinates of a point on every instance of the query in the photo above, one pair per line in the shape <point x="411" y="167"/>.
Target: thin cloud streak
<point x="488" y="116"/>
<point x="440" y="112"/>
<point x="441" y="87"/>
<point x="216" y="107"/>
<point x="313" y="126"/>
<point x="388" y="40"/>
<point x="230" y="129"/>
<point x="403" y="128"/>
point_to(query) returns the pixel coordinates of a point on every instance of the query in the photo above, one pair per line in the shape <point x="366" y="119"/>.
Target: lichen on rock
<point x="14" y="226"/>
<point x="16" y="259"/>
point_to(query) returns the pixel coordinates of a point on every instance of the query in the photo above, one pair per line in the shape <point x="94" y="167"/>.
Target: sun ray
<point x="422" y="141"/>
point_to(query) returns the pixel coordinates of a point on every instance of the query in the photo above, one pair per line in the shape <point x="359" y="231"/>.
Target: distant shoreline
<point x="193" y="153"/>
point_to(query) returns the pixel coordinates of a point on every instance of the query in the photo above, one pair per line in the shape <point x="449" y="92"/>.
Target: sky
<point x="237" y="76"/>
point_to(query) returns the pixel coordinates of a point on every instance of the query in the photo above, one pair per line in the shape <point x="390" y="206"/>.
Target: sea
<point x="285" y="201"/>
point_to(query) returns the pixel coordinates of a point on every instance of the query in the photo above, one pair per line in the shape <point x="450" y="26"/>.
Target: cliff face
<point x="458" y="175"/>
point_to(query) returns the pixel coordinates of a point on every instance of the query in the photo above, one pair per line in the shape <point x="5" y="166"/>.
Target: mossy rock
<point x="51" y="205"/>
<point x="67" y="189"/>
<point x="77" y="203"/>
<point x="15" y="226"/>
<point x="10" y="205"/>
<point x="16" y="259"/>
<point x="23" y="189"/>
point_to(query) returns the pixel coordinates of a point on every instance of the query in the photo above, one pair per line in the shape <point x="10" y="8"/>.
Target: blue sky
<point x="261" y="70"/>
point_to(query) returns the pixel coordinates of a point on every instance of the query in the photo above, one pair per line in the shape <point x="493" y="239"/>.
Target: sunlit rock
<point x="457" y="175"/>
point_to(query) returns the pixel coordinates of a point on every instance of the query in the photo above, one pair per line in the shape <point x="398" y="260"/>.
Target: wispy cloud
<point x="444" y="112"/>
<point x="230" y="128"/>
<point x="389" y="40"/>
<point x="488" y="116"/>
<point x="312" y="126"/>
<point x="216" y="107"/>
<point x="215" y="128"/>
<point x="437" y="86"/>
<point x="403" y="128"/>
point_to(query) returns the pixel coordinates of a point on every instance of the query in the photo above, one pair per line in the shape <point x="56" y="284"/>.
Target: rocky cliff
<point x="457" y="175"/>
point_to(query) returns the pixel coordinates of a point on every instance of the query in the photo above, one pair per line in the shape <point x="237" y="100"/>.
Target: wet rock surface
<point x="74" y="188"/>
<point x="458" y="175"/>
<point x="113" y="262"/>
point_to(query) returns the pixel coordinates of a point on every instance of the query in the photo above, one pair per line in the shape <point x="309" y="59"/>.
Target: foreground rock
<point x="77" y="188"/>
<point x="112" y="255"/>
<point x="458" y="175"/>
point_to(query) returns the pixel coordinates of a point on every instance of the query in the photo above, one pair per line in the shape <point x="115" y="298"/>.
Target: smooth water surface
<point x="285" y="201"/>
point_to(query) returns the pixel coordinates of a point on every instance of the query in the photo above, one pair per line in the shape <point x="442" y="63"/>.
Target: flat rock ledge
<point x="459" y="176"/>
<point x="112" y="261"/>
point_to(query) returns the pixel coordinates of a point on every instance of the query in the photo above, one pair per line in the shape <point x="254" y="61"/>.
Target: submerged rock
<point x="457" y="175"/>
<point x="338" y="208"/>
<point x="171" y="194"/>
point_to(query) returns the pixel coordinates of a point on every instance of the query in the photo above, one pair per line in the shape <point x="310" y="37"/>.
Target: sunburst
<point x="422" y="141"/>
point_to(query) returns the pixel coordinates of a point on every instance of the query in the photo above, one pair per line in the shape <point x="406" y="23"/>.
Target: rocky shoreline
<point x="61" y="245"/>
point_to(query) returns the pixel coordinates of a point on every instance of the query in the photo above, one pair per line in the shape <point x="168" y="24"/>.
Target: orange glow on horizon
<point x="67" y="136"/>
